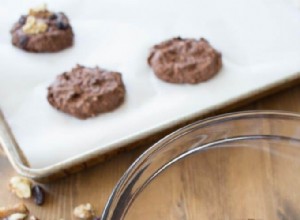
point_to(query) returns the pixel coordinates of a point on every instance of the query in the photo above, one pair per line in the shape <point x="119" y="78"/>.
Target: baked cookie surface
<point x="42" y="31"/>
<point x="86" y="92"/>
<point x="184" y="60"/>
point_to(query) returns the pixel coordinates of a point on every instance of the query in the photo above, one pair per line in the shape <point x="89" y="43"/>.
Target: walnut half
<point x="34" y="26"/>
<point x="6" y="212"/>
<point x="20" y="186"/>
<point x="84" y="211"/>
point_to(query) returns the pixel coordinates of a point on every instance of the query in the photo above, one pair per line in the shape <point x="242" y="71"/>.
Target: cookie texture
<point x="185" y="60"/>
<point x="86" y="92"/>
<point x="42" y="31"/>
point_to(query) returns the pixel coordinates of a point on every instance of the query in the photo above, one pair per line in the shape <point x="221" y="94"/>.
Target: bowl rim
<point x="185" y="130"/>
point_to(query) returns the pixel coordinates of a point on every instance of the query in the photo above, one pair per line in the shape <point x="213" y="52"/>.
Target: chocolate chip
<point x="22" y="20"/>
<point x="38" y="195"/>
<point x="23" y="39"/>
<point x="53" y="16"/>
<point x="75" y="96"/>
<point x="65" y="76"/>
<point x="62" y="25"/>
<point x="97" y="81"/>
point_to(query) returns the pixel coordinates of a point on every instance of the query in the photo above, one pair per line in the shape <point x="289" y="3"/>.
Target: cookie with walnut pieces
<point x="42" y="31"/>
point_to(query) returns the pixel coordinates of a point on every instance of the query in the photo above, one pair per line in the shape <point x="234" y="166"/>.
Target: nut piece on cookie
<point x="20" y="186"/>
<point x="185" y="60"/>
<point x="42" y="31"/>
<point x="34" y="26"/>
<point x="86" y="92"/>
<point x="84" y="211"/>
<point x="40" y="11"/>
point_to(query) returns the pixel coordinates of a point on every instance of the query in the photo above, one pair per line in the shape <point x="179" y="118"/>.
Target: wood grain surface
<point x="95" y="184"/>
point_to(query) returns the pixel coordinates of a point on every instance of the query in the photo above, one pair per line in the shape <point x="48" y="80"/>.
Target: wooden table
<point x="95" y="184"/>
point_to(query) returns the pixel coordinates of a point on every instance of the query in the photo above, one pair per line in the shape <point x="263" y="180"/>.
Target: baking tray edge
<point x="146" y="138"/>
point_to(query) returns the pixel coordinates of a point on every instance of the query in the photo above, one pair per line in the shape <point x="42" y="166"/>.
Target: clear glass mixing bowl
<point x="236" y="166"/>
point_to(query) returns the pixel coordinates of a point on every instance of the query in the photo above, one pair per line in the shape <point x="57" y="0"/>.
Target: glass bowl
<point x="236" y="166"/>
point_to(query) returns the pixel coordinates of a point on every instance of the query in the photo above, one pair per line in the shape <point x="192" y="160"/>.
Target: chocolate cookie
<point x="85" y="92"/>
<point x="42" y="31"/>
<point x="185" y="60"/>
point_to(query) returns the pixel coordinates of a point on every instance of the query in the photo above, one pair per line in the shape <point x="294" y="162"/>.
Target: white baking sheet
<point x="259" y="40"/>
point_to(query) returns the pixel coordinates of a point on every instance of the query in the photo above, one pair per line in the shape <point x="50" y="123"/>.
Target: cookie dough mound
<point x="185" y="60"/>
<point x="42" y="31"/>
<point x="86" y="92"/>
